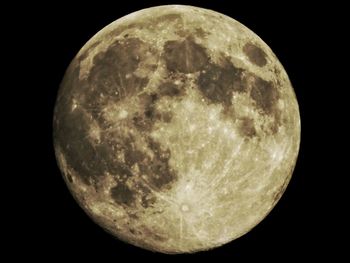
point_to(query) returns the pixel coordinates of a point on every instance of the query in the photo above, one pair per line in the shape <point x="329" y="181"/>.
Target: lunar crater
<point x="255" y="54"/>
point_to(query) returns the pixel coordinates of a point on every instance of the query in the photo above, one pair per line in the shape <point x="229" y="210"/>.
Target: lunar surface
<point x="176" y="129"/>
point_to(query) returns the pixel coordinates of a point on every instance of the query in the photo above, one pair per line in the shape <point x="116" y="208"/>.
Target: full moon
<point x="176" y="129"/>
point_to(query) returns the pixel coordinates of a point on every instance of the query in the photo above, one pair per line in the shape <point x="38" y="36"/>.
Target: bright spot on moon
<point x="185" y="208"/>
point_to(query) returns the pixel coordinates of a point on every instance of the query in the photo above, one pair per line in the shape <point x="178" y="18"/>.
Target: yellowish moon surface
<point x="176" y="129"/>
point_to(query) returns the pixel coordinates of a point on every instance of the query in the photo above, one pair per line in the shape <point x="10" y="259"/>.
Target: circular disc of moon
<point x="176" y="129"/>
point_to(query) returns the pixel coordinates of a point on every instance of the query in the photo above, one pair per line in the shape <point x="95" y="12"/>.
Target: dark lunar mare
<point x="217" y="83"/>
<point x="184" y="56"/>
<point x="255" y="54"/>
<point x="111" y="79"/>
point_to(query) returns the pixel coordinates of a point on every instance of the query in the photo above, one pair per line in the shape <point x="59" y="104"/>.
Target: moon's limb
<point x="176" y="129"/>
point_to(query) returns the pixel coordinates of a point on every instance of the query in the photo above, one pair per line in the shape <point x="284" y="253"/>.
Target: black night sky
<point x="294" y="230"/>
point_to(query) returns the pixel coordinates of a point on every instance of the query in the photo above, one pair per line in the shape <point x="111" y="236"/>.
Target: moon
<point x="176" y="129"/>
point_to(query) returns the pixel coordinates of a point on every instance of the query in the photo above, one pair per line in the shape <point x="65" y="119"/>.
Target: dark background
<point x="297" y="228"/>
